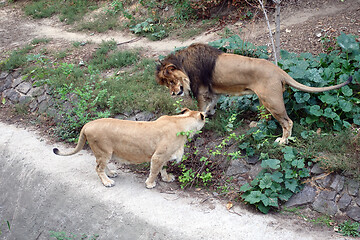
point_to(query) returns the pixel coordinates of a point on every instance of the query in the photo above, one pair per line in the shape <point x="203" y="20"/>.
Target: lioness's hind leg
<point x="166" y="177"/>
<point x="110" y="173"/>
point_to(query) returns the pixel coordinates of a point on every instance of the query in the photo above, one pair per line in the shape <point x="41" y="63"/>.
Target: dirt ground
<point x="304" y="27"/>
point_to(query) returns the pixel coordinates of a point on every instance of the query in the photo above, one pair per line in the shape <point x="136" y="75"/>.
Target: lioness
<point x="208" y="72"/>
<point x="136" y="142"/>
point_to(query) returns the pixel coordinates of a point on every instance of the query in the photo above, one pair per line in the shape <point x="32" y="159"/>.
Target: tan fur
<point x="137" y="142"/>
<point x="231" y="74"/>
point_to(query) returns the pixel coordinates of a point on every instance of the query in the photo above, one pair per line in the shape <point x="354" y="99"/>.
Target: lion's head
<point x="173" y="78"/>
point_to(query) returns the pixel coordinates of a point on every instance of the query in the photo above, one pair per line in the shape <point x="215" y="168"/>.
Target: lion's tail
<point x="79" y="146"/>
<point x="291" y="82"/>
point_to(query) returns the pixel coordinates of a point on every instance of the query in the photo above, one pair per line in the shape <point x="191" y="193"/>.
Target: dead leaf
<point x="229" y="205"/>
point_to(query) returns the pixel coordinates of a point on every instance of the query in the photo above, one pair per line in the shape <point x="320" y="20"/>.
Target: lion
<point x="207" y="72"/>
<point x="137" y="142"/>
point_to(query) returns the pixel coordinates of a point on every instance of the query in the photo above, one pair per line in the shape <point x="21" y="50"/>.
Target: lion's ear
<point x="184" y="110"/>
<point x="169" y="69"/>
<point x="202" y="116"/>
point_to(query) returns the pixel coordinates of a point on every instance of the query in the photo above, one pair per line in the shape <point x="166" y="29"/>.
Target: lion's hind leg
<point x="275" y="105"/>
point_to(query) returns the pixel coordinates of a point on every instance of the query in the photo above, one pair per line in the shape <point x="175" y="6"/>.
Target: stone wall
<point x="16" y="90"/>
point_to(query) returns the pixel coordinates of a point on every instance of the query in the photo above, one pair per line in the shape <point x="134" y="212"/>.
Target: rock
<point x="3" y="75"/>
<point x="23" y="100"/>
<point x="357" y="201"/>
<point x="24" y="87"/>
<point x="324" y="180"/>
<point x="354" y="213"/>
<point x="237" y="167"/>
<point x="252" y="160"/>
<point x="6" y="83"/>
<point x="16" y="82"/>
<point x="316" y="169"/>
<point x="12" y="95"/>
<point x="327" y="195"/>
<point x="43" y="106"/>
<point x="42" y="98"/>
<point x="338" y="183"/>
<point x="305" y="196"/>
<point x="344" y="202"/>
<point x="142" y="116"/>
<point x="35" y="92"/>
<point x="353" y="187"/>
<point x="325" y="206"/>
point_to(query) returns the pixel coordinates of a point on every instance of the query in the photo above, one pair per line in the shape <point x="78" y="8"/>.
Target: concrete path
<point x="41" y="192"/>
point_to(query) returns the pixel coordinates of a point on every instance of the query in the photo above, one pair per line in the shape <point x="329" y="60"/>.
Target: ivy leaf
<point x="298" y="163"/>
<point x="345" y="106"/>
<point x="285" y="195"/>
<point x="271" y="163"/>
<point x="347" y="91"/>
<point x="357" y="119"/>
<point x="347" y="43"/>
<point x="329" y="99"/>
<point x="329" y="113"/>
<point x="246" y="187"/>
<point x="277" y="177"/>
<point x="265" y="182"/>
<point x="301" y="97"/>
<point x="263" y="208"/>
<point x="254" y="197"/>
<point x="291" y="184"/>
<point x="316" y="110"/>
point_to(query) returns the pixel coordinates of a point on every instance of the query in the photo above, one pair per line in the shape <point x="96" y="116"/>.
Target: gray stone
<point x="338" y="183"/>
<point x="357" y="201"/>
<point x="6" y="84"/>
<point x="237" y="167"/>
<point x="33" y="105"/>
<point x="353" y="187"/>
<point x="344" y="201"/>
<point x="43" y="106"/>
<point x="16" y="82"/>
<point x="25" y="99"/>
<point x="252" y="160"/>
<point x="142" y="116"/>
<point x="24" y="87"/>
<point x="354" y="213"/>
<point x="42" y="98"/>
<point x="325" y="206"/>
<point x="16" y="74"/>
<point x="324" y="180"/>
<point x="316" y="169"/>
<point x="3" y="75"/>
<point x="38" y="91"/>
<point x="12" y="95"/>
<point x="305" y="196"/>
<point x="327" y="195"/>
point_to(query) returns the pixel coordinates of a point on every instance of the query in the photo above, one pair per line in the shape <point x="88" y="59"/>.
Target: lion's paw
<point x="253" y="124"/>
<point x="282" y="141"/>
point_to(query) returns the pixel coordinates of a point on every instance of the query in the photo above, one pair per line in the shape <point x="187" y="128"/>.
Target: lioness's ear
<point x="184" y="110"/>
<point x="202" y="116"/>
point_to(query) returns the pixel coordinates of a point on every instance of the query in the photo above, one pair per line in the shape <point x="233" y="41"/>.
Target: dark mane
<point x="198" y="62"/>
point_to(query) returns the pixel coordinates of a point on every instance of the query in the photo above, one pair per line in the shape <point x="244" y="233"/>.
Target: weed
<point x="65" y="236"/>
<point x="349" y="228"/>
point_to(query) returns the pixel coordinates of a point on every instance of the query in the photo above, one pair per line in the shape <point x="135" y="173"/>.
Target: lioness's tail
<point x="79" y="146"/>
<point x="291" y="82"/>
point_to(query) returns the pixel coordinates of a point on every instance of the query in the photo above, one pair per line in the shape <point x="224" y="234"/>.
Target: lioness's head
<point x="173" y="78"/>
<point x="198" y="116"/>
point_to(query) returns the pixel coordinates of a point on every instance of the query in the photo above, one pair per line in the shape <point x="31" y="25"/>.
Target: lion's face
<point x="174" y="79"/>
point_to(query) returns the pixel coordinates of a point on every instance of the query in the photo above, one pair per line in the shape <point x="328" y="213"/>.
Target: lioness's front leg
<point x="155" y="166"/>
<point x="165" y="176"/>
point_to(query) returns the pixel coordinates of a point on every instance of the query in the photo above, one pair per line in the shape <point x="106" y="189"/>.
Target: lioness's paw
<point x="253" y="124"/>
<point x="168" y="178"/>
<point x="150" y="185"/>
<point x="282" y="141"/>
<point x="109" y="183"/>
<point x="112" y="174"/>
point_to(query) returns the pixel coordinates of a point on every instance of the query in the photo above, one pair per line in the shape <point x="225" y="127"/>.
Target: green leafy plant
<point x="349" y="228"/>
<point x="7" y="223"/>
<point x="278" y="180"/>
<point x="65" y="236"/>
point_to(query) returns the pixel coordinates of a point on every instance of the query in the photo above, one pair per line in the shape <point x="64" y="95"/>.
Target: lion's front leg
<point x="207" y="102"/>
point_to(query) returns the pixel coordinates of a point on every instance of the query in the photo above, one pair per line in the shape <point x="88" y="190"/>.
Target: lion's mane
<point x="197" y="61"/>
